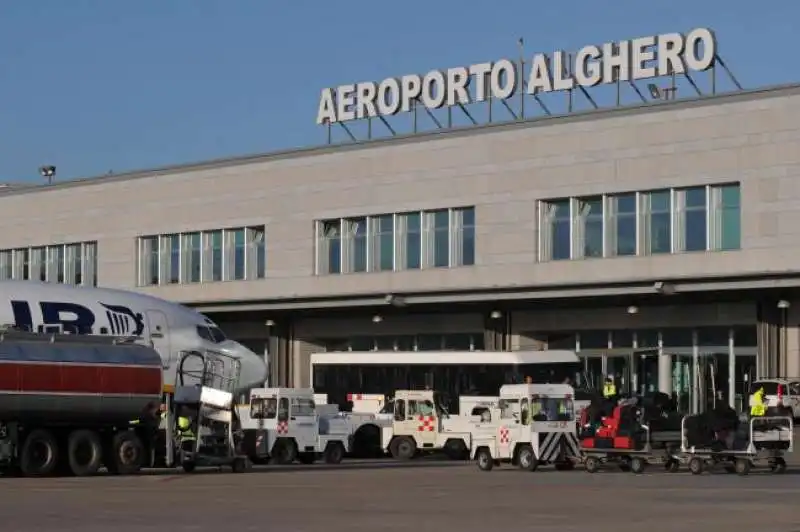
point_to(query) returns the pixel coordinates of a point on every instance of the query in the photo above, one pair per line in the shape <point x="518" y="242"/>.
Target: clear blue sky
<point x="99" y="85"/>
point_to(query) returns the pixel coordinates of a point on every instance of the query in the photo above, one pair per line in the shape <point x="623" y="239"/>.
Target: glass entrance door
<point x="683" y="377"/>
<point x="645" y="371"/>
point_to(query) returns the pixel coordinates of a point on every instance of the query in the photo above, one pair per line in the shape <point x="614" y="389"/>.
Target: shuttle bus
<point x="454" y="373"/>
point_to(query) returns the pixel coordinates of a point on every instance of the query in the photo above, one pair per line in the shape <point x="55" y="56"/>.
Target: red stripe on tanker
<point x="58" y="378"/>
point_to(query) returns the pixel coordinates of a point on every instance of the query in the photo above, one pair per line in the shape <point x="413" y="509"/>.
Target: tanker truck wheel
<point x="84" y="452"/>
<point x="39" y="454"/>
<point x="126" y="454"/>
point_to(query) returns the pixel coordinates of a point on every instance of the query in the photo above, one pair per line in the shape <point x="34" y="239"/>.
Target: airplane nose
<point x="254" y="368"/>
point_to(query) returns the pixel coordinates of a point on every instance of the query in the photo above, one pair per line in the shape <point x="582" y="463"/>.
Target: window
<point x="302" y="406"/>
<point x="202" y="256"/>
<point x="38" y="261"/>
<point x="211" y="333"/>
<point x="74" y="264"/>
<point x="622" y="218"/>
<point x="235" y="252"/>
<point x="589" y="228"/>
<point x="441" y="238"/>
<point x="215" y="245"/>
<point x="89" y="263"/>
<point x="692" y="219"/>
<point x="329" y="246"/>
<point x="413" y="240"/>
<point x="383" y="243"/>
<point x="21" y="263"/>
<point x="55" y="264"/>
<point x="170" y="259"/>
<point x="437" y="236"/>
<point x="555" y="234"/>
<point x="464" y="237"/>
<point x="355" y="244"/>
<point x="6" y="265"/>
<point x="256" y="253"/>
<point x="192" y="252"/>
<point x="726" y="222"/>
<point x="658" y="222"/>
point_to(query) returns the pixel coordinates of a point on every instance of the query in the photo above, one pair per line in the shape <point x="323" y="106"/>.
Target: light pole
<point x="48" y="172"/>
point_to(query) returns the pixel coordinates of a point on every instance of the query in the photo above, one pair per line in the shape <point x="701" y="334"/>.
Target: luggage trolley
<point x="765" y="443"/>
<point x="632" y="454"/>
<point x="204" y="386"/>
<point x="625" y="440"/>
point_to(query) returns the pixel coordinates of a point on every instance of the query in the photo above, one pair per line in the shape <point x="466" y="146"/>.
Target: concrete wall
<point x="503" y="171"/>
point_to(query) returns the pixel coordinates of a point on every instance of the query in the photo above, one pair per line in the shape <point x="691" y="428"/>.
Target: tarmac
<point x="420" y="496"/>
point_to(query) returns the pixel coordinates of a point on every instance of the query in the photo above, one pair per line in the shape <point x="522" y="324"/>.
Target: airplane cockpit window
<point x="211" y="334"/>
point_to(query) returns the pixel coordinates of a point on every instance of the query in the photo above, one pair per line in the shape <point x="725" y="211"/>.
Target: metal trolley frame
<point x="634" y="460"/>
<point x="763" y="448"/>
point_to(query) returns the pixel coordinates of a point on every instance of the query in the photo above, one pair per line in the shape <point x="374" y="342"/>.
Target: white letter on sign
<point x="326" y="113"/>
<point x="694" y="39"/>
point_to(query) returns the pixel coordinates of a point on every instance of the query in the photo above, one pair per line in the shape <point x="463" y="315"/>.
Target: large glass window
<point x="589" y="227"/>
<point x="383" y="243"/>
<point x="192" y="257"/>
<point x="622" y="218"/>
<point x="6" y="265"/>
<point x="355" y="231"/>
<point x="413" y="240"/>
<point x="438" y="238"/>
<point x="330" y="246"/>
<point x="726" y="222"/>
<point x="38" y="262"/>
<point x="465" y="241"/>
<point x="693" y="219"/>
<point x="239" y="253"/>
<point x="74" y="264"/>
<point x="173" y="262"/>
<point x="555" y="233"/>
<point x="200" y="256"/>
<point x="658" y="222"/>
<point x="256" y="253"/>
<point x="406" y="241"/>
<point x="216" y="255"/>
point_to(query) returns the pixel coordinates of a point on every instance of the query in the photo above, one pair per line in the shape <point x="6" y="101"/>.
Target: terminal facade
<point x="670" y="229"/>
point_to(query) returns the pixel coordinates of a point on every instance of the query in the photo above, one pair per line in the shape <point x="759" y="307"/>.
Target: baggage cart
<point x="765" y="444"/>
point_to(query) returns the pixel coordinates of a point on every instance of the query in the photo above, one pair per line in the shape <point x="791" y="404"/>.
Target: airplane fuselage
<point x="169" y="327"/>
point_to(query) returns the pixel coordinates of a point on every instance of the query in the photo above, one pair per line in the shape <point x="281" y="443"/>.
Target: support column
<point x="497" y="332"/>
<point x="280" y="352"/>
<point x="769" y="335"/>
<point x="731" y="369"/>
<point x="664" y="369"/>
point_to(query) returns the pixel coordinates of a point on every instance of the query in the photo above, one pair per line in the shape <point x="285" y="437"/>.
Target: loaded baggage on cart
<point x="754" y="441"/>
<point x="631" y="434"/>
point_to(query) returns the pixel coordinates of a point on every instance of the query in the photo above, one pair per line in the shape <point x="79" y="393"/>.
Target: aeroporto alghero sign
<point x="629" y="60"/>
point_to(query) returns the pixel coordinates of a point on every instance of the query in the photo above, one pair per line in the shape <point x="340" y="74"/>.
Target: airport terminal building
<point x="671" y="227"/>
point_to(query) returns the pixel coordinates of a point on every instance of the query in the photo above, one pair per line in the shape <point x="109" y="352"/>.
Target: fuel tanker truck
<point x="71" y="404"/>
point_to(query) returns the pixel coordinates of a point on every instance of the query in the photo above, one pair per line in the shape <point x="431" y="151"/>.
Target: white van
<point x="790" y="391"/>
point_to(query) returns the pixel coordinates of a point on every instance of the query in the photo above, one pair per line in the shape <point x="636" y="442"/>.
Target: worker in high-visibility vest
<point x="185" y="429"/>
<point x="757" y="406"/>
<point x="609" y="389"/>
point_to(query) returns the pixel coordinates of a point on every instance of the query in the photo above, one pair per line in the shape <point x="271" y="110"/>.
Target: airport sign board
<point x="628" y="60"/>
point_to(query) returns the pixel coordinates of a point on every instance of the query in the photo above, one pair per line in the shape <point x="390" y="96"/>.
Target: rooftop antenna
<point x="48" y="172"/>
